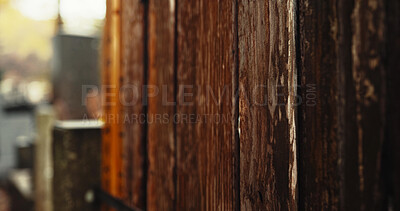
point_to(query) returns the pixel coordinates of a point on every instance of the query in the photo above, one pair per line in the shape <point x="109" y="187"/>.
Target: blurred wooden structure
<point x="43" y="169"/>
<point x="112" y="171"/>
<point x="305" y="92"/>
<point x="77" y="164"/>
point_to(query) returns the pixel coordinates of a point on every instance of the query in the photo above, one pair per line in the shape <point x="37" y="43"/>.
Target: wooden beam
<point x="341" y="136"/>
<point x="267" y="105"/>
<point x="134" y="78"/>
<point x="207" y="145"/>
<point x="319" y="140"/>
<point x="112" y="170"/>
<point x="161" y="83"/>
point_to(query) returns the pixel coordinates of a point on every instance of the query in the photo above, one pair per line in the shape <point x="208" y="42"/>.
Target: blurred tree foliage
<point x="2" y="2"/>
<point x="25" y="44"/>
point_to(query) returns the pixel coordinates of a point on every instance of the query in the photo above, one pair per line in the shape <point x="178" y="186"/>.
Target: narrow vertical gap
<point x="145" y="97"/>
<point x="236" y="108"/>
<point x="175" y="176"/>
<point x="300" y="107"/>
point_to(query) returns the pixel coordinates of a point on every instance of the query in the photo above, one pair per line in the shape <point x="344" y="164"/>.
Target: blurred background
<point x="42" y="43"/>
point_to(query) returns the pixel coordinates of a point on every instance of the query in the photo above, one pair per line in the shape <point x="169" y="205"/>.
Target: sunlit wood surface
<point x="112" y="132"/>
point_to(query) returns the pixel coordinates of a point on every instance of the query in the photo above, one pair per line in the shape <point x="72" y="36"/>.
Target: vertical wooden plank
<point x="318" y="142"/>
<point x="43" y="166"/>
<point x="364" y="105"/>
<point x="393" y="101"/>
<point x="112" y="170"/>
<point x="342" y="53"/>
<point x="161" y="81"/>
<point x="207" y="147"/>
<point x="267" y="83"/>
<point x="133" y="58"/>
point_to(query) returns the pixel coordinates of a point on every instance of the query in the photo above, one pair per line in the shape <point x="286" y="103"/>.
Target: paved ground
<point x="13" y="126"/>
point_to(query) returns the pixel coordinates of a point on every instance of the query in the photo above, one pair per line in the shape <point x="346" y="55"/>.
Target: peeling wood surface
<point x="267" y="83"/>
<point x="161" y="139"/>
<point x="133" y="67"/>
<point x="207" y="153"/>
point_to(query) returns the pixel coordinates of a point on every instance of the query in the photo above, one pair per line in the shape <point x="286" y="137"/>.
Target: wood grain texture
<point x="161" y="81"/>
<point x="318" y="138"/>
<point x="133" y="76"/>
<point x="267" y="83"/>
<point x="232" y="138"/>
<point x="207" y="147"/>
<point x="112" y="167"/>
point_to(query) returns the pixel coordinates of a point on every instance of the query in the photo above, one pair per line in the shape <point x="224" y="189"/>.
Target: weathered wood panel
<point x="267" y="79"/>
<point x="319" y="139"/>
<point x="340" y="140"/>
<point x="200" y="52"/>
<point x="207" y="148"/>
<point x="134" y="66"/>
<point x="161" y="83"/>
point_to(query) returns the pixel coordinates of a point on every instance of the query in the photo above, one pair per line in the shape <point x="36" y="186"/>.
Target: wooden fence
<point x="253" y="104"/>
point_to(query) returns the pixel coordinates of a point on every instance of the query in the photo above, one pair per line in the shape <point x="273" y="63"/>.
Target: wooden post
<point x="76" y="158"/>
<point x="43" y="169"/>
<point x="320" y="142"/>
<point x="134" y="58"/>
<point x="267" y="105"/>
<point x="206" y="111"/>
<point x="343" y="111"/>
<point x="161" y="83"/>
<point x="112" y="165"/>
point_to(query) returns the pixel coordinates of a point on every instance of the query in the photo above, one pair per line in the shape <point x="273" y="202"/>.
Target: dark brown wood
<point x="391" y="161"/>
<point x="133" y="64"/>
<point x="207" y="147"/>
<point x="161" y="81"/>
<point x="77" y="169"/>
<point x="223" y="127"/>
<point x="318" y="138"/>
<point x="267" y="110"/>
<point x="364" y="96"/>
<point x="341" y="137"/>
